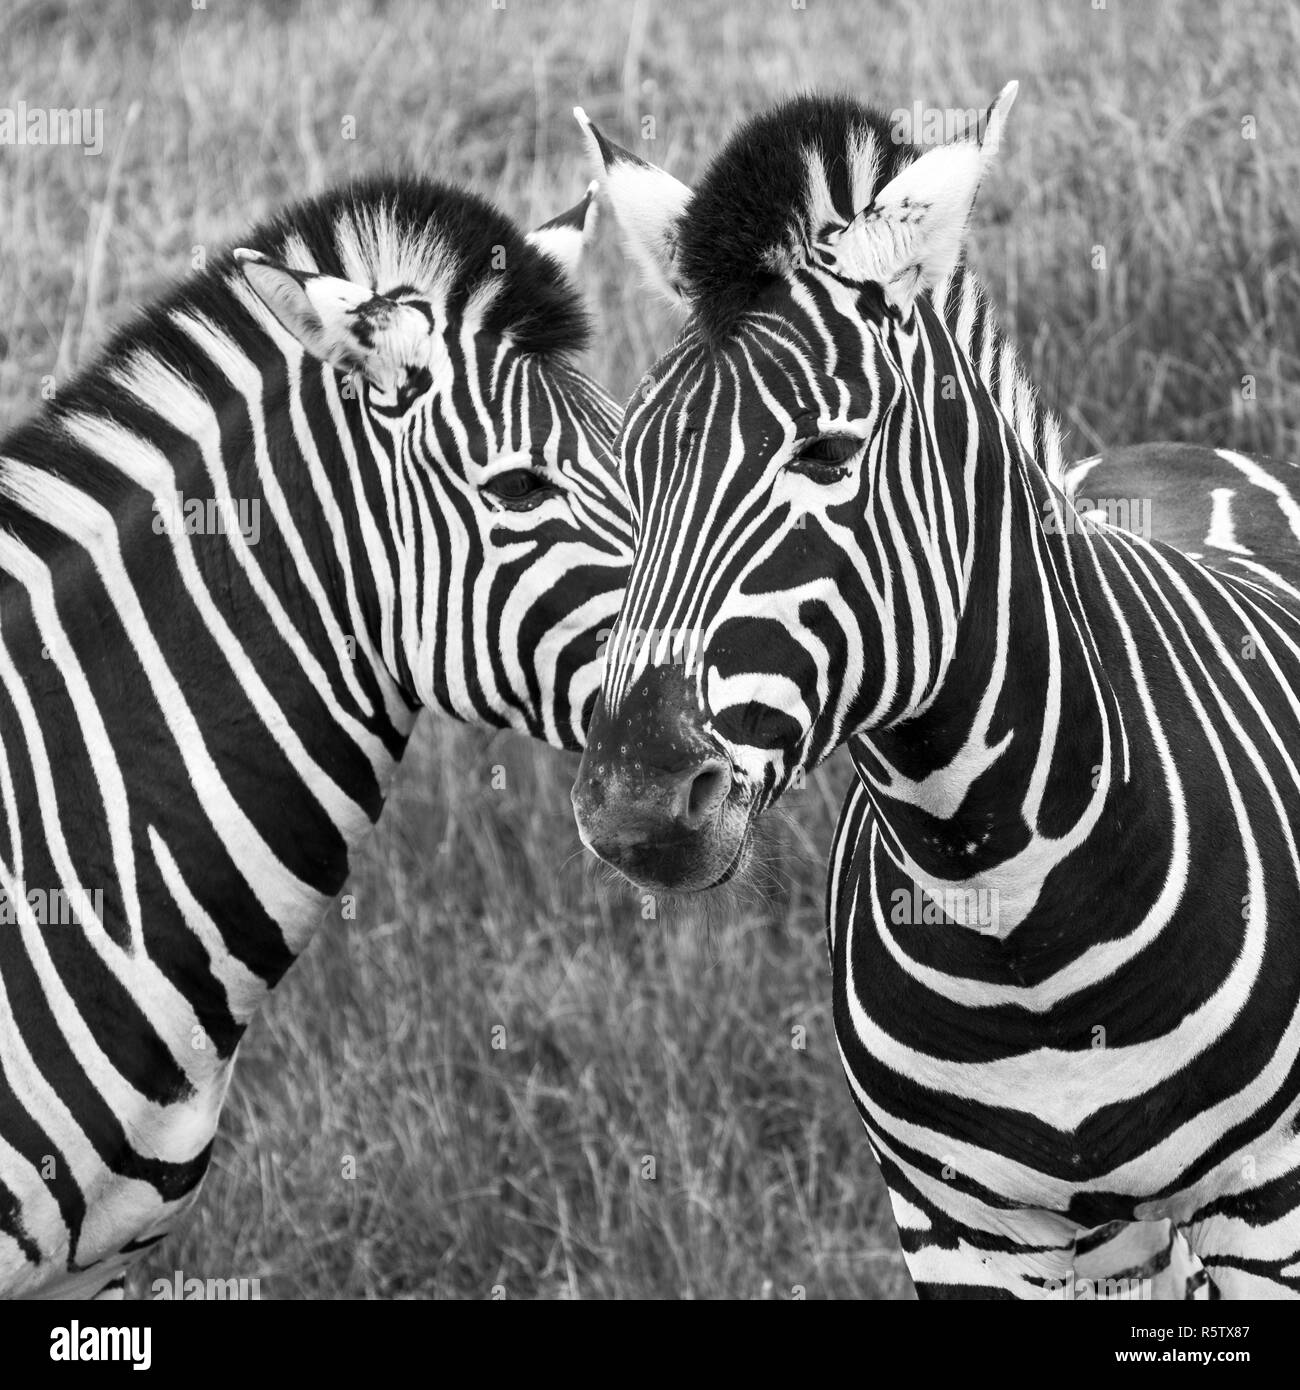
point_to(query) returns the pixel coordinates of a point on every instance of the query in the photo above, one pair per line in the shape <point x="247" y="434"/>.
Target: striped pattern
<point x="991" y="1069"/>
<point x="199" y="725"/>
<point x="1064" y="892"/>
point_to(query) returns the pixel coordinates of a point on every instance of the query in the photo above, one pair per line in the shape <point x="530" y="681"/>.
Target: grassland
<point x="1163" y="134"/>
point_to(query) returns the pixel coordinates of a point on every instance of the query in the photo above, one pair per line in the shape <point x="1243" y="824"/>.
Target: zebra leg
<point x="957" y="1246"/>
<point x="1156" y="1254"/>
<point x="1030" y="1256"/>
<point x="1249" y="1241"/>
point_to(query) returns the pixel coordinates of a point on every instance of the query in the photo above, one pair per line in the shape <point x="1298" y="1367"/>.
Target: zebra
<point x="1152" y="1253"/>
<point x="345" y="472"/>
<point x="1059" y="1013"/>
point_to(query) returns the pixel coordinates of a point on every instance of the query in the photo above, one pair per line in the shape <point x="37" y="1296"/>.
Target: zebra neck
<point x="195" y="717"/>
<point x="1009" y="763"/>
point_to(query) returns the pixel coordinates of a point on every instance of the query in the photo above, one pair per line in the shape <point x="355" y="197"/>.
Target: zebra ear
<point x="911" y="237"/>
<point x="344" y="324"/>
<point x="564" y="238"/>
<point x="648" y="205"/>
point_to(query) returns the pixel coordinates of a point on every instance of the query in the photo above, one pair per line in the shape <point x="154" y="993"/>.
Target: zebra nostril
<point x="708" y="790"/>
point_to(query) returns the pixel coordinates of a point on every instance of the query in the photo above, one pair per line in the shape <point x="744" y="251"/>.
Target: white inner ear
<point x="563" y="244"/>
<point x="318" y="312"/>
<point x="344" y="324"/>
<point x="648" y="204"/>
<point x="911" y="236"/>
<point x="566" y="243"/>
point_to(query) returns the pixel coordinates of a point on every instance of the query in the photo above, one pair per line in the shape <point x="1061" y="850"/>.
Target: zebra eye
<point x="826" y="457"/>
<point x="518" y="485"/>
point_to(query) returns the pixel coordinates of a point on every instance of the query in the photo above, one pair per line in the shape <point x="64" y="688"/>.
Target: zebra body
<point x="198" y="725"/>
<point x="1019" y="1084"/>
<point x="1236" y="513"/>
<point x="1065" y="887"/>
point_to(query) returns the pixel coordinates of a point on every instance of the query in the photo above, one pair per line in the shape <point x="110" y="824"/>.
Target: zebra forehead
<point x="780" y="180"/>
<point x="377" y="248"/>
<point x="862" y="159"/>
<point x="690" y="399"/>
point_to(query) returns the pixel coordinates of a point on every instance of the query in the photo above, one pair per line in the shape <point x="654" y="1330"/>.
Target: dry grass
<point x="523" y="1166"/>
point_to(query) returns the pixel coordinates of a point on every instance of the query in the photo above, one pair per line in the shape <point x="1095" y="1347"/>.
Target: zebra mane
<point x="963" y="303"/>
<point x="777" y="183"/>
<point x="397" y="233"/>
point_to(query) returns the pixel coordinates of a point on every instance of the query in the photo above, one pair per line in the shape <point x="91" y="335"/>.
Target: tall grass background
<point x="500" y="1076"/>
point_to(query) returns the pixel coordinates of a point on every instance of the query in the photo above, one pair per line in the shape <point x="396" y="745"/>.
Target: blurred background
<point x="537" y="1091"/>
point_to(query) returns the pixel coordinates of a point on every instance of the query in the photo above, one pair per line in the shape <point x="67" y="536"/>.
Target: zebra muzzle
<point x="655" y="796"/>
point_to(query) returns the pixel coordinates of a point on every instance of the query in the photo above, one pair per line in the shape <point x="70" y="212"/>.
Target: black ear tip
<point x="607" y="151"/>
<point x="574" y="218"/>
<point x="610" y="153"/>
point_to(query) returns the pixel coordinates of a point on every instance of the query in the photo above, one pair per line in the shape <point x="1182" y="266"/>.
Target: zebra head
<point x="798" y="569"/>
<point x="492" y="531"/>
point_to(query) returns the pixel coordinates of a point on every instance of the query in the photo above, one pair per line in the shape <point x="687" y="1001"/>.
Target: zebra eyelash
<point x="826" y="458"/>
<point x="519" y="489"/>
